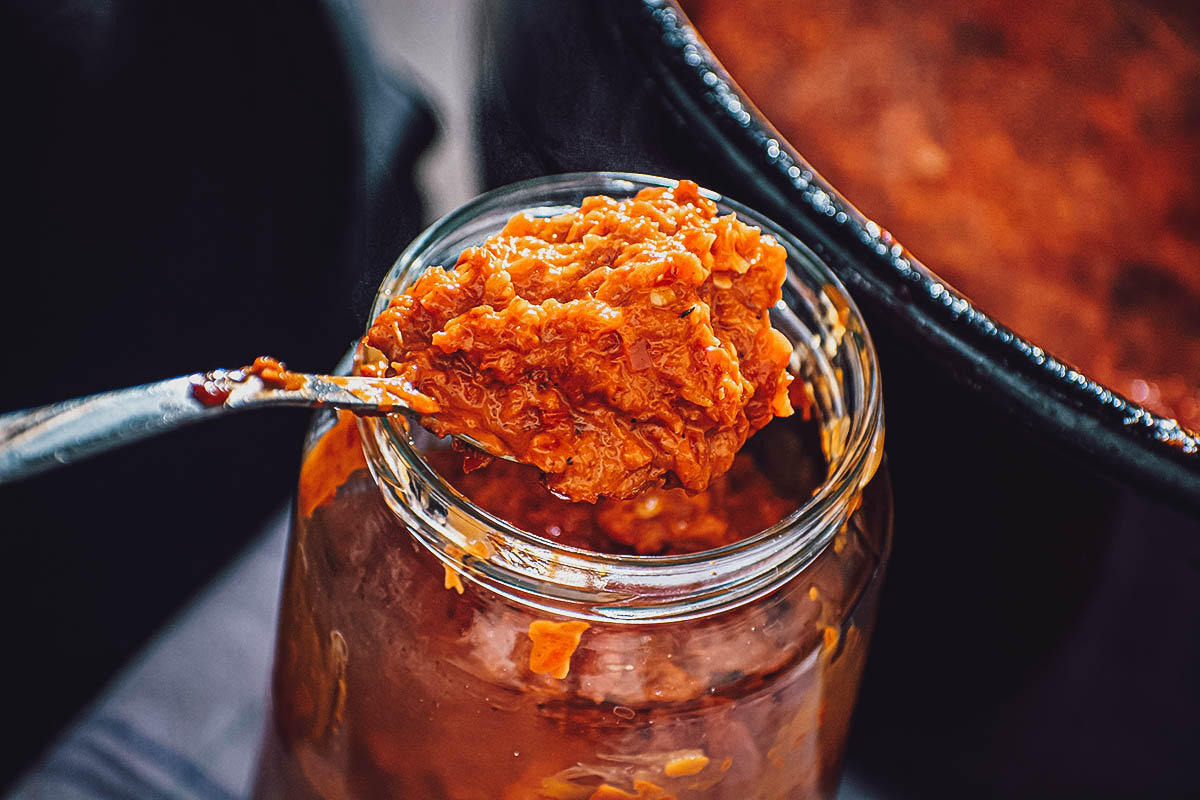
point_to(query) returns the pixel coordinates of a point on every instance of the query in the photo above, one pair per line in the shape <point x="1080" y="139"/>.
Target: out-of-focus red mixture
<point x="738" y="504"/>
<point x="623" y="345"/>
<point x="1042" y="157"/>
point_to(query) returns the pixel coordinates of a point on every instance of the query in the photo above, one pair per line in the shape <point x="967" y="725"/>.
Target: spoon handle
<point x="37" y="439"/>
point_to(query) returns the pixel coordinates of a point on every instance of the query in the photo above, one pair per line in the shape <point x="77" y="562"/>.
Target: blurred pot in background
<point x="1040" y="629"/>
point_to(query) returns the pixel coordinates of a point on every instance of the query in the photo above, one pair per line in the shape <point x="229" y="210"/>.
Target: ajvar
<point x="622" y="345"/>
<point x="659" y="521"/>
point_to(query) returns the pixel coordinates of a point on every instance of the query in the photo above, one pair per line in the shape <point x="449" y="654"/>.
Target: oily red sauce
<point x="659" y="521"/>
<point x="738" y="504"/>
<point x="620" y="346"/>
<point x="213" y="388"/>
<point x="329" y="463"/>
<point x="1042" y="157"/>
<point x="275" y="374"/>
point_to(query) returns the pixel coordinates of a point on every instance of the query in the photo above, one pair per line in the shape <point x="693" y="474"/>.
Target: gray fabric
<point x="183" y="722"/>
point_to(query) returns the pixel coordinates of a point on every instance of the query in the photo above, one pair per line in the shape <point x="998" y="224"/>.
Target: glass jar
<point x="415" y="627"/>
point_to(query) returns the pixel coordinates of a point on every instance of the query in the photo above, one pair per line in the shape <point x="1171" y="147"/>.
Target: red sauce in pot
<point x="1042" y="157"/>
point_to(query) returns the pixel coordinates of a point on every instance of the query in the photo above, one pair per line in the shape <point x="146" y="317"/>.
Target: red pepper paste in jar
<point x="623" y="345"/>
<point x="490" y="639"/>
<point x="659" y="521"/>
<point x="388" y="659"/>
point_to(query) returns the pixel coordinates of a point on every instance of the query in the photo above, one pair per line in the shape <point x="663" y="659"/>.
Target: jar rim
<point x="567" y="579"/>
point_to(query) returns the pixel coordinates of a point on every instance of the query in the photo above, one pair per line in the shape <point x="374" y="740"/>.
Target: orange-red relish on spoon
<point x="619" y="346"/>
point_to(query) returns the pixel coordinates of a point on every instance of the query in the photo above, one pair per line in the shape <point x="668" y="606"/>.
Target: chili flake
<point x="645" y="791"/>
<point x="553" y="645"/>
<point x="452" y="579"/>
<point x="685" y="765"/>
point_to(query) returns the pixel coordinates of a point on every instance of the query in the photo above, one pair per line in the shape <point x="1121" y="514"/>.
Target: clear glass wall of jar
<point x="406" y="663"/>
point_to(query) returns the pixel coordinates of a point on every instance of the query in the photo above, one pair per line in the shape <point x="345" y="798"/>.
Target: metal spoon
<point x="38" y="439"/>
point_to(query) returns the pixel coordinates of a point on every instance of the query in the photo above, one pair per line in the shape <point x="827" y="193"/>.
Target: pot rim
<point x="1080" y="415"/>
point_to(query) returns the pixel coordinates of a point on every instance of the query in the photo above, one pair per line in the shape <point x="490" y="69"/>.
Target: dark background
<point x="187" y="186"/>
